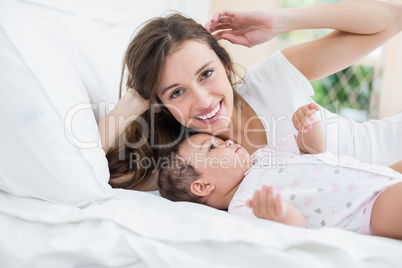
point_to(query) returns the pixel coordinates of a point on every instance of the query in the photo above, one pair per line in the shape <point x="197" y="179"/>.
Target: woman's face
<point x="195" y="88"/>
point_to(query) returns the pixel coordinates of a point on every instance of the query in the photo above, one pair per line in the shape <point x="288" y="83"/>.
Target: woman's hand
<point x="244" y="28"/>
<point x="129" y="107"/>
<point x="304" y="117"/>
<point x="137" y="101"/>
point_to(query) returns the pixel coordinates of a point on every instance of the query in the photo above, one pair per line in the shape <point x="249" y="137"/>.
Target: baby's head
<point x="206" y="170"/>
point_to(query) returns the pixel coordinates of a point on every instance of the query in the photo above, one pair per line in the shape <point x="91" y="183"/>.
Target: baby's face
<point x="223" y="163"/>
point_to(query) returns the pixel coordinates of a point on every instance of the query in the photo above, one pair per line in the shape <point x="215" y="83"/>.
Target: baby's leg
<point x="397" y="166"/>
<point x="386" y="215"/>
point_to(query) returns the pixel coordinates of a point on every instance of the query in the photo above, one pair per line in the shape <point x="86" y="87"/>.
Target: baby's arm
<point x="310" y="138"/>
<point x="267" y="206"/>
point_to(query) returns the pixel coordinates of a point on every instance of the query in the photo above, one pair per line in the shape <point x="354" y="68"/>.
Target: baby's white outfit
<point x="329" y="190"/>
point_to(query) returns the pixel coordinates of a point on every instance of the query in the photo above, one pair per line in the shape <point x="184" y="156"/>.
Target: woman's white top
<point x="275" y="89"/>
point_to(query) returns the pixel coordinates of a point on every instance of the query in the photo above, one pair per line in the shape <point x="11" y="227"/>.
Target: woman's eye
<point x="206" y="74"/>
<point x="176" y="93"/>
<point x="211" y="147"/>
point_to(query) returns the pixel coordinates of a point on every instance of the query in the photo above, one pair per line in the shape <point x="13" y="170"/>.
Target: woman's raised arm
<point x="360" y="27"/>
<point x="129" y="107"/>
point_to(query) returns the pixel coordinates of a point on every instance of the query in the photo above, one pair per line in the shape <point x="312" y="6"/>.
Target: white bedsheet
<point x="135" y="229"/>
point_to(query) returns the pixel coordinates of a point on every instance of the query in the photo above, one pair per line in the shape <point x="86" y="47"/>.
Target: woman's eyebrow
<point x="205" y="65"/>
<point x="169" y="87"/>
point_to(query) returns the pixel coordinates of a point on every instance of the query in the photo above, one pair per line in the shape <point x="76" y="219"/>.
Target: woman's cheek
<point x="177" y="113"/>
<point x="178" y="117"/>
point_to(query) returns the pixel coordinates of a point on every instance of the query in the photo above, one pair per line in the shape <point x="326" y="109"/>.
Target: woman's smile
<point x="211" y="115"/>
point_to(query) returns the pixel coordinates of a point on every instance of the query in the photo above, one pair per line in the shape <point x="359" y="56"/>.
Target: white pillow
<point x="49" y="137"/>
<point x="96" y="58"/>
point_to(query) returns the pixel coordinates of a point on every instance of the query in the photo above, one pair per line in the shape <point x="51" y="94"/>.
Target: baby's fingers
<point x="313" y="106"/>
<point x="304" y="117"/>
<point x="274" y="204"/>
<point x="307" y="113"/>
<point x="256" y="204"/>
<point x="275" y="208"/>
<point x="279" y="206"/>
<point x="300" y="121"/>
<point x="268" y="197"/>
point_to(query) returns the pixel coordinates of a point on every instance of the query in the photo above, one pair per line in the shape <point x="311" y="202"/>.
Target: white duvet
<point x="134" y="229"/>
<point x="56" y="207"/>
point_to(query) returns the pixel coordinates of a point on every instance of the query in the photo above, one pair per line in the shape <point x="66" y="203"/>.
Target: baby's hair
<point x="175" y="179"/>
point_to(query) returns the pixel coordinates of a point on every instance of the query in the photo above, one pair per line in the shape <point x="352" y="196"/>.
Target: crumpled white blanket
<point x="136" y="229"/>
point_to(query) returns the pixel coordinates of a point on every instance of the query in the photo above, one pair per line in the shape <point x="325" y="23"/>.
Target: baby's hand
<point x="304" y="117"/>
<point x="266" y="205"/>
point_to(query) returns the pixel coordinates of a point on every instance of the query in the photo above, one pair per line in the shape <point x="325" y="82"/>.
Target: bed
<point x="57" y="209"/>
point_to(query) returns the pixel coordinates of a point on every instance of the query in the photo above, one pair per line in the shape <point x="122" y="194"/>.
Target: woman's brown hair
<point x="156" y="132"/>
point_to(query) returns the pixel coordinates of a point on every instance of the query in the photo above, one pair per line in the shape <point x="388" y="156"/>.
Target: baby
<point x="320" y="190"/>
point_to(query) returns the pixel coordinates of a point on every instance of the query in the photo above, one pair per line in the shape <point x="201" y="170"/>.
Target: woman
<point x="177" y="65"/>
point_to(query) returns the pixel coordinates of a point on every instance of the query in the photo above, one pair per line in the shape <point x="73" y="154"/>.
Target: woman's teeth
<point x="211" y="114"/>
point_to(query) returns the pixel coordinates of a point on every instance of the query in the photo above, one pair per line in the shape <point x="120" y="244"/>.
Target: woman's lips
<point x="215" y="117"/>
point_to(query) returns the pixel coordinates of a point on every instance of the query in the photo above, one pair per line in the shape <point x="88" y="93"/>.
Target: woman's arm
<point x="310" y="137"/>
<point x="267" y="206"/>
<point x="129" y="107"/>
<point x="360" y="27"/>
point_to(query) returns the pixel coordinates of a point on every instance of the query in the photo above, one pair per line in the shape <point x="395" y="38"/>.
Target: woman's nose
<point x="202" y="98"/>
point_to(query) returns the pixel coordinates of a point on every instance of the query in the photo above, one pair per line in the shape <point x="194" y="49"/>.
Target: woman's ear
<point x="201" y="188"/>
